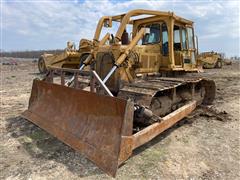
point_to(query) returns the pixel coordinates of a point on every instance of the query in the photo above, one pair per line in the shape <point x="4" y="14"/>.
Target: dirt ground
<point x="205" y="145"/>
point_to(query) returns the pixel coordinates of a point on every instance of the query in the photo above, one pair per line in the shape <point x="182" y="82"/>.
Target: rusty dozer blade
<point x="90" y="123"/>
<point x="100" y="127"/>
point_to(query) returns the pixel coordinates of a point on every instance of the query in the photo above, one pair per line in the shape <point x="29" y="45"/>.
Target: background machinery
<point x="210" y="60"/>
<point x="69" y="58"/>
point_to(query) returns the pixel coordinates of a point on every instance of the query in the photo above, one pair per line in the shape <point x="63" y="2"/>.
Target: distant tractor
<point x="70" y="58"/>
<point x="210" y="60"/>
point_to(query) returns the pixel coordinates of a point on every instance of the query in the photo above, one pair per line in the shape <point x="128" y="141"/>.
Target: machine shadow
<point x="41" y="145"/>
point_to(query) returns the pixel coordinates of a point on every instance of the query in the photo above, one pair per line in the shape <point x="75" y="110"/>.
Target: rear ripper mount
<point x="100" y="126"/>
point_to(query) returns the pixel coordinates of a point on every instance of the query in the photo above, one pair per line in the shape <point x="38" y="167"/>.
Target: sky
<point x="45" y="24"/>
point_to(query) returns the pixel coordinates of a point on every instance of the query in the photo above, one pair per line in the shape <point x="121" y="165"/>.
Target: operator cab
<point x="175" y="47"/>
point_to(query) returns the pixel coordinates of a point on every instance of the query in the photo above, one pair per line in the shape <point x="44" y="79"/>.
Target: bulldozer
<point x="210" y="60"/>
<point x="69" y="58"/>
<point x="140" y="84"/>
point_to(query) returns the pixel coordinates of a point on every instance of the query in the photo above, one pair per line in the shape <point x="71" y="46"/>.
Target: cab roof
<point x="149" y="14"/>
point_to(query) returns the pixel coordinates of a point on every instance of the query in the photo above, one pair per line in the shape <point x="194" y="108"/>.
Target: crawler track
<point x="164" y="94"/>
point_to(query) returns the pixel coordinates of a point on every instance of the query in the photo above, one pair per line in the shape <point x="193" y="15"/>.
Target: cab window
<point x="164" y="40"/>
<point x="190" y="38"/>
<point x="177" y="42"/>
<point x="153" y="36"/>
<point x="184" y="39"/>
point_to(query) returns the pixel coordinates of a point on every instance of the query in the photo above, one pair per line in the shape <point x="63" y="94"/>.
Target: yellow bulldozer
<point x="69" y="58"/>
<point x="210" y="60"/>
<point x="141" y="82"/>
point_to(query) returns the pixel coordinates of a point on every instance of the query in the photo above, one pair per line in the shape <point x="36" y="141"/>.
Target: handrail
<point x="76" y="72"/>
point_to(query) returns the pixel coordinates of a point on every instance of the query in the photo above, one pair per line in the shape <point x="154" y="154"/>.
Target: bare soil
<point x="205" y="145"/>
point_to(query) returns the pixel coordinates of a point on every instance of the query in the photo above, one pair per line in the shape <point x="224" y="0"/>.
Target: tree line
<point x="29" y="54"/>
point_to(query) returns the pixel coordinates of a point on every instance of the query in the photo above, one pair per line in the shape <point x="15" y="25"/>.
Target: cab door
<point x="149" y="50"/>
<point x="177" y="46"/>
<point x="164" y="57"/>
